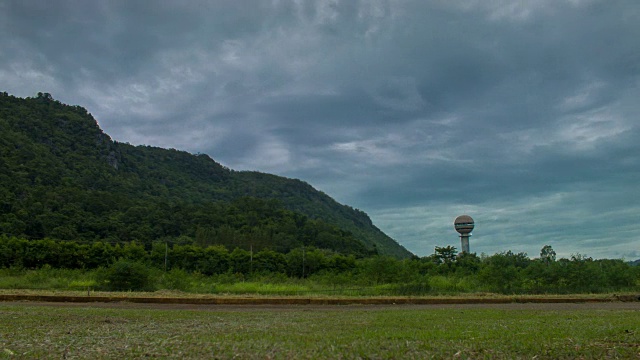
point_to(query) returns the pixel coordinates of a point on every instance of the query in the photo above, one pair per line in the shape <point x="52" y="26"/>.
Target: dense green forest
<point x="62" y="178"/>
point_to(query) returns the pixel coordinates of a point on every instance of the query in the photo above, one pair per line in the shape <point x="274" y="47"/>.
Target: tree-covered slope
<point x="301" y="197"/>
<point x="61" y="177"/>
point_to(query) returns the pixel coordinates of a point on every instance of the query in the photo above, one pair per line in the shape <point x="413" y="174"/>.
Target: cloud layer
<point x="523" y="114"/>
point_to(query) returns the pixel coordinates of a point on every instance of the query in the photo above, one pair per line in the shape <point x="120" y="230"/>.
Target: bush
<point x="126" y="275"/>
<point x="177" y="279"/>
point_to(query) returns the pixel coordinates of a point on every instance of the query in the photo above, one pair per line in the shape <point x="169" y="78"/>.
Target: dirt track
<point x="267" y="307"/>
<point x="224" y="303"/>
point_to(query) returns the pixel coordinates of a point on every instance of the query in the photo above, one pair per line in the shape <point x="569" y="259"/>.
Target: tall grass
<point x="47" y="278"/>
<point x="321" y="284"/>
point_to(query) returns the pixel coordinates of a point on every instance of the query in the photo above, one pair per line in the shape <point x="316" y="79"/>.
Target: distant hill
<point x="635" y="263"/>
<point x="63" y="178"/>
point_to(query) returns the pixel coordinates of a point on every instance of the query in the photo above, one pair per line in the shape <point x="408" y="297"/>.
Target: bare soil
<point x="616" y="305"/>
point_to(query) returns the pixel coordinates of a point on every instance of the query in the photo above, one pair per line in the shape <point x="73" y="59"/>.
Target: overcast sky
<point x="520" y="113"/>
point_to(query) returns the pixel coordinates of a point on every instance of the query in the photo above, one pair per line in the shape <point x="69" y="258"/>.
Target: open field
<point x="504" y="331"/>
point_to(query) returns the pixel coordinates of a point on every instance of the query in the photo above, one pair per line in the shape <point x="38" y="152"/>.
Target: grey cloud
<point x="413" y="111"/>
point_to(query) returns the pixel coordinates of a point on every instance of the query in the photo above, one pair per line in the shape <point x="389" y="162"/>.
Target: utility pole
<point x="166" y="253"/>
<point x="303" y="260"/>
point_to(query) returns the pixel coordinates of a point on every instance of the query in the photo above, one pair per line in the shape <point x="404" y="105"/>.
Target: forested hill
<point x="61" y="177"/>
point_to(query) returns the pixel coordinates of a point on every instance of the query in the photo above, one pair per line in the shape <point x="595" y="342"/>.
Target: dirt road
<point x="269" y="307"/>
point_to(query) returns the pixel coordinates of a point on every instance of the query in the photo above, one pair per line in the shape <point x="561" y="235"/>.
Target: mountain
<point x="63" y="178"/>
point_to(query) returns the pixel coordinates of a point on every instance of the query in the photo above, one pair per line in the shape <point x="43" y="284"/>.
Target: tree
<point x="502" y="272"/>
<point x="445" y="255"/>
<point x="467" y="264"/>
<point x="269" y="261"/>
<point x="302" y="262"/>
<point x="216" y="260"/>
<point x="547" y="254"/>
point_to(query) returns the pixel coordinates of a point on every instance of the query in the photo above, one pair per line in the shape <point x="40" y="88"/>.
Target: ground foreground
<point x="496" y="331"/>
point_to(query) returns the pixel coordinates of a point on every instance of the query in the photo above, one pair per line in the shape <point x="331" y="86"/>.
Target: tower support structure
<point x="464" y="243"/>
<point x="464" y="225"/>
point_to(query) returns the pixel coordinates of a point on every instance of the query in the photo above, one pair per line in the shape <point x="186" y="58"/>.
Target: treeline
<point x="210" y="260"/>
<point x="444" y="271"/>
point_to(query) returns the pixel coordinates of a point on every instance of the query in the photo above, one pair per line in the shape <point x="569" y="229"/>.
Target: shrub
<point x="177" y="279"/>
<point x="126" y="275"/>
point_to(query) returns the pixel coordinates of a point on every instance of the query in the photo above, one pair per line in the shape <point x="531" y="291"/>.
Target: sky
<point x="520" y="113"/>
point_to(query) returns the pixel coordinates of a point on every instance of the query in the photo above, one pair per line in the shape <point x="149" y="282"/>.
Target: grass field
<point x="496" y="332"/>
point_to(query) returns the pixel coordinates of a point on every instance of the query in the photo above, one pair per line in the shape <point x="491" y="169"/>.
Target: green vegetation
<point x="82" y="213"/>
<point x="333" y="332"/>
<point x="125" y="275"/>
<point x="62" y="178"/>
<point x="80" y="210"/>
<point x="63" y="265"/>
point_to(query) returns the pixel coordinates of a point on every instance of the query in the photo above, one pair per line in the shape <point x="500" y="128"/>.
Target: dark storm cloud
<point x="414" y="111"/>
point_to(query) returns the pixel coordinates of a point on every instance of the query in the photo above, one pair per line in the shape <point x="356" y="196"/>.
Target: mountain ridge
<point x="51" y="149"/>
